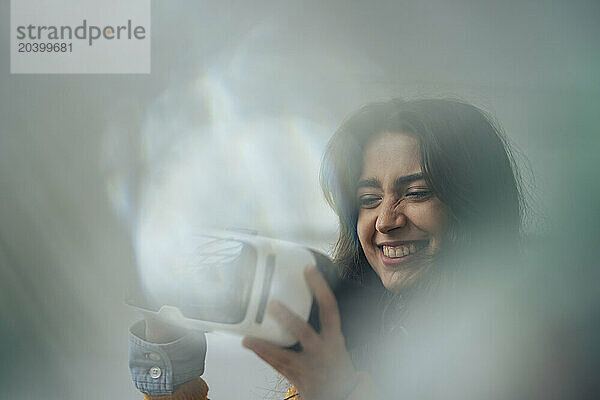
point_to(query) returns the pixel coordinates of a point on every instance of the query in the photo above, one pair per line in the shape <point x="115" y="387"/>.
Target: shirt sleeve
<point x="159" y="369"/>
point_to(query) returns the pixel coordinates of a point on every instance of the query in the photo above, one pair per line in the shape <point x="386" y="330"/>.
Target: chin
<point x="400" y="280"/>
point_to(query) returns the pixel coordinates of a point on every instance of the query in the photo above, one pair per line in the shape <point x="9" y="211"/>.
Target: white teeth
<point x="399" y="251"/>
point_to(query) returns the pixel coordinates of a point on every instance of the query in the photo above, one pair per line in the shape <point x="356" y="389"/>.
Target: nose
<point x="391" y="216"/>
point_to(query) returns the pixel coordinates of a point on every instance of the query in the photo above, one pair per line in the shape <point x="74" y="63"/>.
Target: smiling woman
<point x="400" y="221"/>
<point x="425" y="191"/>
<point x="434" y="178"/>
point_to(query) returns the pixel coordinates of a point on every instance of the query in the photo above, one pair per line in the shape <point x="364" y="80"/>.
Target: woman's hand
<point x="323" y="369"/>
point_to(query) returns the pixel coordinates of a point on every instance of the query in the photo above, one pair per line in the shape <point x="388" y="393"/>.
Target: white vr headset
<point x="226" y="281"/>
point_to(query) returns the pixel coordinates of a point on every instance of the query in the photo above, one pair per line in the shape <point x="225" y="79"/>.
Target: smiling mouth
<point x="403" y="250"/>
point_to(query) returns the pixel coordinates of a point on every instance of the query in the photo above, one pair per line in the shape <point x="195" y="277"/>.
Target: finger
<point x="281" y="359"/>
<point x="302" y="331"/>
<point x="329" y="314"/>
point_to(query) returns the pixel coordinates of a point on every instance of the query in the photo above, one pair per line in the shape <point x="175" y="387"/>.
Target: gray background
<point x="82" y="156"/>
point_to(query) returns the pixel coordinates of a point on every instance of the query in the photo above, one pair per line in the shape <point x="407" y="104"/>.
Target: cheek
<point x="439" y="217"/>
<point x="365" y="229"/>
<point x="430" y="217"/>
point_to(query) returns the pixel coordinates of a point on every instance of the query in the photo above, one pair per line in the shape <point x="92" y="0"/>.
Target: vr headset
<point x="223" y="280"/>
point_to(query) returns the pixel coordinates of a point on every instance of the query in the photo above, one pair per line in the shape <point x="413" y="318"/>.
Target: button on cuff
<point x="155" y="372"/>
<point x="178" y="362"/>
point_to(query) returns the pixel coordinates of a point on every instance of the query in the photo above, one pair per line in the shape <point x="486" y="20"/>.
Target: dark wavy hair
<point x="466" y="161"/>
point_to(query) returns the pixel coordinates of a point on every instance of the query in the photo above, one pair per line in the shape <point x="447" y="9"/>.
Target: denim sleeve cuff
<point x="158" y="369"/>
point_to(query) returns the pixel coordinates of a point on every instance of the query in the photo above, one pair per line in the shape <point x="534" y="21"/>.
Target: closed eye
<point x="419" y="194"/>
<point x="369" y="201"/>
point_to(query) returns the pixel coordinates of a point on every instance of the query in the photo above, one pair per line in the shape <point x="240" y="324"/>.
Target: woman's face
<point x="400" y="221"/>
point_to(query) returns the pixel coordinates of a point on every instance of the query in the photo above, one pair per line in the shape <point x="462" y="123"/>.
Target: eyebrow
<point x="374" y="182"/>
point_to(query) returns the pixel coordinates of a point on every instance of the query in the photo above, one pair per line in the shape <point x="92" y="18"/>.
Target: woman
<point x="423" y="189"/>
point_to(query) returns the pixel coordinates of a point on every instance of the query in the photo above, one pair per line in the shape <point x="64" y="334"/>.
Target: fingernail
<point x="274" y="307"/>
<point x="247" y="342"/>
<point x="311" y="269"/>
